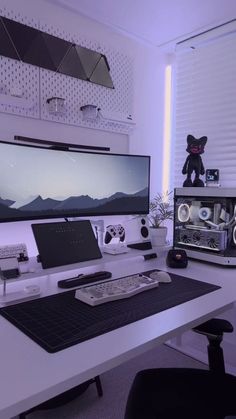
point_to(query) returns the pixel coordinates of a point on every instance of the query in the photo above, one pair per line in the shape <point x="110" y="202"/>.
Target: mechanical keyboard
<point x="115" y="289"/>
<point x="18" y="251"/>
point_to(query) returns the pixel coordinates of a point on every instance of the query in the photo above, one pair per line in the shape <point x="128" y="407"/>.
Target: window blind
<point x="205" y="104"/>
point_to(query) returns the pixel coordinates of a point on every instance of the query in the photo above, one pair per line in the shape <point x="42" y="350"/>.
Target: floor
<point x="116" y="384"/>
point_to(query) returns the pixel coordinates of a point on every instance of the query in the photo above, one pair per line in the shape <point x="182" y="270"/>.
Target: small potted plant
<point x="160" y="210"/>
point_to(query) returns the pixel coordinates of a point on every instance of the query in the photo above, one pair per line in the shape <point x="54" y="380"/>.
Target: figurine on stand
<point x="193" y="162"/>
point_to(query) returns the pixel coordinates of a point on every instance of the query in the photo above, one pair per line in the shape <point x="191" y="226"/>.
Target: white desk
<point x="30" y="375"/>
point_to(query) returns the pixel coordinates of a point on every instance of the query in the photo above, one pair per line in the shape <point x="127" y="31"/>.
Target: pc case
<point x="205" y="223"/>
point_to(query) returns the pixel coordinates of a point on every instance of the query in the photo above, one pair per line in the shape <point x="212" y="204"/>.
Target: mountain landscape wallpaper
<point x="43" y="183"/>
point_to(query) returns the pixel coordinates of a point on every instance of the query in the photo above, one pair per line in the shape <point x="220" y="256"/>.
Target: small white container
<point x="56" y="106"/>
<point x="90" y="112"/>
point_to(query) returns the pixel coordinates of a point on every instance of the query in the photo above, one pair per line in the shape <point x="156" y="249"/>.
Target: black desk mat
<point x="60" y="321"/>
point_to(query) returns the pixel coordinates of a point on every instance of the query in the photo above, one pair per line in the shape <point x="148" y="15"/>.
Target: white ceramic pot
<point x="158" y="236"/>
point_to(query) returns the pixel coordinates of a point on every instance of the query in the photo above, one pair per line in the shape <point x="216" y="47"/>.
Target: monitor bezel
<point x="80" y="213"/>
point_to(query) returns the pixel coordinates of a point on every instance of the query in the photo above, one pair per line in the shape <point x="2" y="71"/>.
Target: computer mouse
<point x="161" y="276"/>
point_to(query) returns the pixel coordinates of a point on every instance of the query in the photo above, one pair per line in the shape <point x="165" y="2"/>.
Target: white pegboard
<point x="24" y="76"/>
<point x="78" y="92"/>
<point x="18" y="17"/>
<point x="39" y="84"/>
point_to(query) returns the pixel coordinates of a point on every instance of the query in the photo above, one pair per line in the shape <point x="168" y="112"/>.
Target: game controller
<point x="114" y="231"/>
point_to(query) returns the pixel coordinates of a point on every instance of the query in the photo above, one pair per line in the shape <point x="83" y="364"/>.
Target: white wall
<point x="148" y="102"/>
<point x="147" y="138"/>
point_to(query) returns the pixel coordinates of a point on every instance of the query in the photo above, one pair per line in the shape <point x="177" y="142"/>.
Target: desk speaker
<point x="177" y="258"/>
<point x="137" y="229"/>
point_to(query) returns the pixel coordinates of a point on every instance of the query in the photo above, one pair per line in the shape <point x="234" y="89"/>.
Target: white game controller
<point x="114" y="231"/>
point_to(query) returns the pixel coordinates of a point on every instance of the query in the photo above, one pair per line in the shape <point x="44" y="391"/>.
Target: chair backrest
<point x="214" y="330"/>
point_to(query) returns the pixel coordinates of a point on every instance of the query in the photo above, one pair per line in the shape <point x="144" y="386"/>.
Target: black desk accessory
<point x="11" y="273"/>
<point x="84" y="279"/>
<point x="147" y="245"/>
<point x="177" y="258"/>
<point x="63" y="243"/>
<point x="150" y="256"/>
<point x="60" y="321"/>
<point x="9" y="267"/>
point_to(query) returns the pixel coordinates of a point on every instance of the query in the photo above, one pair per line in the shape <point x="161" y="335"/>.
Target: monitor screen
<point x="39" y="183"/>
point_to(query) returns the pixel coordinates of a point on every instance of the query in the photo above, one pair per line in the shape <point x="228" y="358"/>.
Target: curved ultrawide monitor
<point x="41" y="183"/>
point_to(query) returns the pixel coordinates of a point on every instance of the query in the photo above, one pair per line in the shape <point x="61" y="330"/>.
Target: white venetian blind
<point x="205" y="94"/>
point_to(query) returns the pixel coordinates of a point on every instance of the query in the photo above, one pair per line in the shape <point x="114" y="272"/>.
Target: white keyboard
<point x="18" y="251"/>
<point x="115" y="289"/>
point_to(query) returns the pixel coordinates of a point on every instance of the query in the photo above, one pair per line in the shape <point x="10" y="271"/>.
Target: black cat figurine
<point x="193" y="162"/>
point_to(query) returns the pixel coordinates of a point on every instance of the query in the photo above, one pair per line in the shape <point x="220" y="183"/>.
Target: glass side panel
<point x="205" y="224"/>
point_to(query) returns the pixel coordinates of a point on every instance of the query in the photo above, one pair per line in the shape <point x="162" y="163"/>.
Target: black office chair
<point x="187" y="393"/>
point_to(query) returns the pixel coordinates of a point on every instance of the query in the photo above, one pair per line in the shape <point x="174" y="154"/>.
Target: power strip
<point x="18" y="251"/>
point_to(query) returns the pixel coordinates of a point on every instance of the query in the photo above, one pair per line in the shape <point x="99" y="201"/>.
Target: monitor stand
<point x="115" y="249"/>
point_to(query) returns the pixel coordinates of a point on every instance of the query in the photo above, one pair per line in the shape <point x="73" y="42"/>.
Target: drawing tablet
<point x="64" y="243"/>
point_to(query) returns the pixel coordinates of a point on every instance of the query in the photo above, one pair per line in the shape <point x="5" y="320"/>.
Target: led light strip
<point x="167" y="131"/>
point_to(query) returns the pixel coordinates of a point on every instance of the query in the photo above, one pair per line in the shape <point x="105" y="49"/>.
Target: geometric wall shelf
<point x="33" y="46"/>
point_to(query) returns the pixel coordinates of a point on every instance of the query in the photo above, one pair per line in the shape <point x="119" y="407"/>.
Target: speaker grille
<point x="144" y="232"/>
<point x="137" y="229"/>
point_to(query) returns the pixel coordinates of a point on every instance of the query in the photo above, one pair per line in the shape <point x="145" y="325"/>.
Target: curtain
<point x="205" y="102"/>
